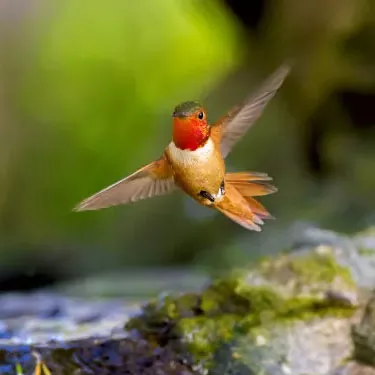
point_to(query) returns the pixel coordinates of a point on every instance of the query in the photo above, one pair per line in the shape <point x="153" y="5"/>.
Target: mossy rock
<point x="249" y="313"/>
<point x="363" y="334"/>
<point x="301" y="313"/>
<point x="100" y="357"/>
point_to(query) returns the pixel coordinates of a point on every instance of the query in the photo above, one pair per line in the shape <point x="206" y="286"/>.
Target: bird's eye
<point x="200" y="115"/>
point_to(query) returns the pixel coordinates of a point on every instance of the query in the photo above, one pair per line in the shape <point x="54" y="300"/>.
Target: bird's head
<point x="190" y="127"/>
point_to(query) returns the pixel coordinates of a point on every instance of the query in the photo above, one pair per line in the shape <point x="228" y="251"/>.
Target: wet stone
<point x="363" y="335"/>
<point x="287" y="314"/>
<point x="100" y="357"/>
<point x="85" y="337"/>
<point x="298" y="313"/>
<point x="31" y="320"/>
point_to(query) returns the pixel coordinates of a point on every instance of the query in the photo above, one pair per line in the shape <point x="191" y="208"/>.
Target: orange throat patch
<point x="189" y="134"/>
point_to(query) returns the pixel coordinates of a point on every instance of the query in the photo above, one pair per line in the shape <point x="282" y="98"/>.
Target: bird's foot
<point x="207" y="195"/>
<point x="222" y="188"/>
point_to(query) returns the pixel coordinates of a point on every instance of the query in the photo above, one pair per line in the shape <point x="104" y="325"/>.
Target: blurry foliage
<point x="86" y="94"/>
<point x="96" y="93"/>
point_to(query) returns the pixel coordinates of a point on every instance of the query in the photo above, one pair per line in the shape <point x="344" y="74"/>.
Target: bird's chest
<point x="201" y="169"/>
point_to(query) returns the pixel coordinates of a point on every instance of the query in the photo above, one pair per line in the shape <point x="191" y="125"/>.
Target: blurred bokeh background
<point x="86" y="95"/>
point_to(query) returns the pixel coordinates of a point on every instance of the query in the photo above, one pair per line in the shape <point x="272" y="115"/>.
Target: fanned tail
<point x="258" y="209"/>
<point x="250" y="223"/>
<point x="246" y="176"/>
<point x="239" y="204"/>
<point x="251" y="184"/>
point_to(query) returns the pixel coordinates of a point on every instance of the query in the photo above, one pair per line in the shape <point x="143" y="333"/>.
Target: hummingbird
<point x="194" y="162"/>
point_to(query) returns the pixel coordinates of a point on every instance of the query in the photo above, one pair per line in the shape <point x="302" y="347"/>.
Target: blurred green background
<point x="86" y="95"/>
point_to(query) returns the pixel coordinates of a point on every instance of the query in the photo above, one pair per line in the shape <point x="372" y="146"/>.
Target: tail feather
<point x="239" y="204"/>
<point x="254" y="189"/>
<point x="247" y="176"/>
<point x="248" y="223"/>
<point x="258" y="208"/>
<point x="251" y="184"/>
<point x="236" y="208"/>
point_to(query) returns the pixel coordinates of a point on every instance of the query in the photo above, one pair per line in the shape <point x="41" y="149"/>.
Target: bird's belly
<point x="194" y="180"/>
<point x="199" y="171"/>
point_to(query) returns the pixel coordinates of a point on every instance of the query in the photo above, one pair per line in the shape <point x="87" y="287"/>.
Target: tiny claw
<point x="222" y="188"/>
<point x="207" y="195"/>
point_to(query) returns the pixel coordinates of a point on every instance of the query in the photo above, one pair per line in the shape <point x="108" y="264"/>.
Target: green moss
<point x="370" y="231"/>
<point x="278" y="291"/>
<point x="19" y="369"/>
<point x="202" y="335"/>
<point x="311" y="273"/>
<point x="40" y="369"/>
<point x="233" y="296"/>
<point x="366" y="251"/>
<point x="318" y="268"/>
<point x="363" y="335"/>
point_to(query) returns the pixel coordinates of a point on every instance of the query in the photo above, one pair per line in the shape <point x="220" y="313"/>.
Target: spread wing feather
<point x="235" y="124"/>
<point x="153" y="179"/>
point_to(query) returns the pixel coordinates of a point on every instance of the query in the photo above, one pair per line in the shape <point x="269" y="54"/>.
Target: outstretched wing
<point x="153" y="179"/>
<point x="235" y="124"/>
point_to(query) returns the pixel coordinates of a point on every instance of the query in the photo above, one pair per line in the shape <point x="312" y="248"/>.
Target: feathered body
<point x="200" y="170"/>
<point x="194" y="162"/>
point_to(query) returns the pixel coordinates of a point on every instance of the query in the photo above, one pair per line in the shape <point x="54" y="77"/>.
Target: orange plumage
<point x="194" y="162"/>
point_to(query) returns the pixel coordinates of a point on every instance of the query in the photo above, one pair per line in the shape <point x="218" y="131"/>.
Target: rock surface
<point x="308" y="311"/>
